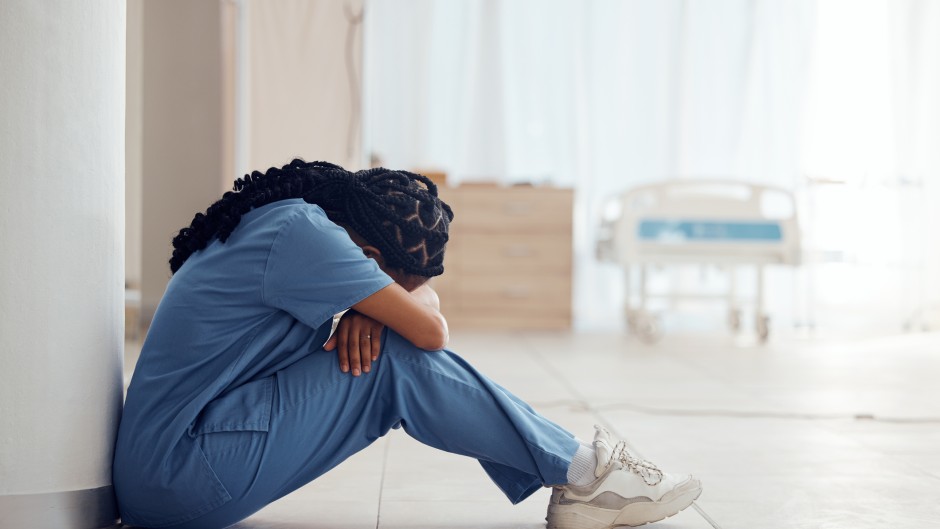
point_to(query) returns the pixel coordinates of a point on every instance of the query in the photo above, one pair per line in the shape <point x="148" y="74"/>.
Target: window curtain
<point x="834" y="100"/>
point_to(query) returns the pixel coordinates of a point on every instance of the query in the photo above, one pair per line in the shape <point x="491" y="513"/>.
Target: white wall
<point x="133" y="196"/>
<point x="181" y="125"/>
<point x="302" y="99"/>
<point x="184" y="106"/>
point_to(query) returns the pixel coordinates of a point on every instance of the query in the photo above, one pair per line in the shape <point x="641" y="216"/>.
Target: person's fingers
<point x="376" y="341"/>
<point x="352" y="346"/>
<point x="357" y="341"/>
<point x="342" y="348"/>
<point x="365" y="348"/>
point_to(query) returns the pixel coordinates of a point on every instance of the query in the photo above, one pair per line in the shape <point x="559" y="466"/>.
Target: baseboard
<point x="73" y="509"/>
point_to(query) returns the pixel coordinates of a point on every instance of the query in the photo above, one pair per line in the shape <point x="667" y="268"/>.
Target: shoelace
<point x="650" y="473"/>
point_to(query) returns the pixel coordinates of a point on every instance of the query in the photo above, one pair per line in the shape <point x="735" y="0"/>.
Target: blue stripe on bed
<point x="708" y="231"/>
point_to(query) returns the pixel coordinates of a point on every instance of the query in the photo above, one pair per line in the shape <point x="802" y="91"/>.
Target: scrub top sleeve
<point x="314" y="270"/>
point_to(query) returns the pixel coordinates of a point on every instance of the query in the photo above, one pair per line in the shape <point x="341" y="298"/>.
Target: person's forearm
<point x="427" y="296"/>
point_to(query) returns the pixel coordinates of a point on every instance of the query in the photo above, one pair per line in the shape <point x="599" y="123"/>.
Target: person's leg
<point x="322" y="416"/>
<point x="444" y="402"/>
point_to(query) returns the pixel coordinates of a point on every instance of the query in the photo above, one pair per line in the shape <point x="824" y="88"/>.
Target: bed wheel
<point x="763" y="328"/>
<point x="644" y="326"/>
<point x="631" y="321"/>
<point x="734" y="320"/>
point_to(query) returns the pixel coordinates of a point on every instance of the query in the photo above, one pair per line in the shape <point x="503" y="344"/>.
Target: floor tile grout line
<point x="378" y="511"/>
<point x="705" y="515"/>
<point x="597" y="415"/>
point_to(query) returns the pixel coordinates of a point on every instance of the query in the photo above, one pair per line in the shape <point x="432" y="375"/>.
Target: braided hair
<point x="398" y="212"/>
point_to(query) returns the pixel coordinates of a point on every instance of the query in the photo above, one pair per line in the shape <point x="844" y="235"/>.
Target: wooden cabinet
<point x="508" y="262"/>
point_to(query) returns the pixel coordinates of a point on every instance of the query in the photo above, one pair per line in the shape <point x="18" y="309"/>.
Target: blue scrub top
<point x="232" y="316"/>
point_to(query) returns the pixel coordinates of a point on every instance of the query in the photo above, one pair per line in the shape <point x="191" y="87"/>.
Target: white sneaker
<point x="627" y="492"/>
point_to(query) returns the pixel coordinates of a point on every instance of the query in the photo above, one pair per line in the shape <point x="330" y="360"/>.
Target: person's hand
<point x="357" y="342"/>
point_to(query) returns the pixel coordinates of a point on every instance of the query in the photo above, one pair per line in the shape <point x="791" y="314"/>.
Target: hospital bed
<point x="719" y="223"/>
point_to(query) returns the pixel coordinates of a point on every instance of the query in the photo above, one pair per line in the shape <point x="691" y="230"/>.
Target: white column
<point x="61" y="259"/>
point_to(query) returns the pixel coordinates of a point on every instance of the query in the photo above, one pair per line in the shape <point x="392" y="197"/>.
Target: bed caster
<point x="644" y="326"/>
<point x="763" y="328"/>
<point x="734" y="320"/>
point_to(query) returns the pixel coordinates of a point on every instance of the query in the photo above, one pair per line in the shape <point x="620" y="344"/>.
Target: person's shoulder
<point x="296" y="219"/>
<point x="280" y="220"/>
<point x="286" y="212"/>
<point x="297" y="211"/>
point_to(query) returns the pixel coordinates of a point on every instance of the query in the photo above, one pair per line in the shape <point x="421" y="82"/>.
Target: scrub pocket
<point x="246" y="408"/>
<point x="212" y="468"/>
<point x="232" y="433"/>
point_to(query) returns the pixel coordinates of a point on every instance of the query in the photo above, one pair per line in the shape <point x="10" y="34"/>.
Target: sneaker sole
<point x="582" y="516"/>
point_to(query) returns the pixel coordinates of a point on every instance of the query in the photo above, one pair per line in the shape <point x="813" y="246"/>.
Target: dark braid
<point x="396" y="211"/>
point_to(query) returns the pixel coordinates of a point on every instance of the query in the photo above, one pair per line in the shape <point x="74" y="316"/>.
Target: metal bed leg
<point x="628" y="312"/>
<point x="734" y="312"/>
<point x="761" y="321"/>
<point x="642" y="288"/>
<point x="644" y="324"/>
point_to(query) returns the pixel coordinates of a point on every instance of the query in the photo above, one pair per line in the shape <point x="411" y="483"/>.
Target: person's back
<point x="212" y="322"/>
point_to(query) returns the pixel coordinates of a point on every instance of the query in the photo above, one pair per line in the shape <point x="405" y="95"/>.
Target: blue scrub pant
<point x="321" y="416"/>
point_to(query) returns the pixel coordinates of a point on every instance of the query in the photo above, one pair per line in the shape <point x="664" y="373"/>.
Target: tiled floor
<point x="796" y="434"/>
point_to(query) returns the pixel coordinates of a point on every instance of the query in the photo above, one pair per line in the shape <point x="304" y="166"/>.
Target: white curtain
<point x="603" y="95"/>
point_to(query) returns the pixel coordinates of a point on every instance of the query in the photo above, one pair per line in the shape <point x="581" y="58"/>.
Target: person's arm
<point x="425" y="294"/>
<point x="414" y="315"/>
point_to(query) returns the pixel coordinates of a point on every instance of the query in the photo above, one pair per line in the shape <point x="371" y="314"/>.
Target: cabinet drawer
<point x="512" y="210"/>
<point x="499" y="254"/>
<point x="541" y="293"/>
<point x="489" y="320"/>
<point x="509" y="260"/>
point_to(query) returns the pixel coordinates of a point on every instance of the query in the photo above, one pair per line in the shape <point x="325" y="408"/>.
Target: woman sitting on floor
<point x="241" y="394"/>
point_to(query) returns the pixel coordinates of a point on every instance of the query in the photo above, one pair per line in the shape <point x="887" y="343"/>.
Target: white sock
<point x="581" y="470"/>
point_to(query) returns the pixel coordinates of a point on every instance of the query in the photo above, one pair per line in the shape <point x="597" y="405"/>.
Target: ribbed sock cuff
<point x="581" y="469"/>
